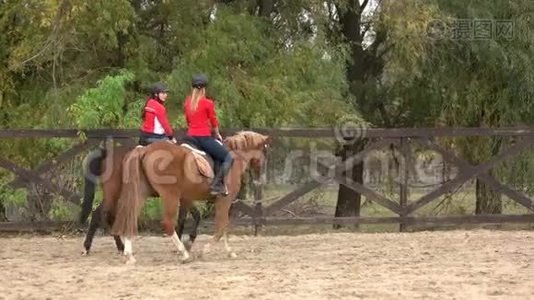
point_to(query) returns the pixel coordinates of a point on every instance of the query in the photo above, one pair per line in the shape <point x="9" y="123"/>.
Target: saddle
<point x="202" y="160"/>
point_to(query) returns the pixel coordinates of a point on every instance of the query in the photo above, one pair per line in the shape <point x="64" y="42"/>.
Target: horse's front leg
<point x="170" y="206"/>
<point x="222" y="207"/>
<point x="227" y="245"/>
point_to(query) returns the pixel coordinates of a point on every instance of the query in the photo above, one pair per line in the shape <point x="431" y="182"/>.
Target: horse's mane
<point x="245" y="140"/>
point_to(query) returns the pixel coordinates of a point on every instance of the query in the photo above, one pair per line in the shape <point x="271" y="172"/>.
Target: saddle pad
<point x="193" y="149"/>
<point x="201" y="162"/>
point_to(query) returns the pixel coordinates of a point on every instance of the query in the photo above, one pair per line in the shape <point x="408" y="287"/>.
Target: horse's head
<point x="251" y="147"/>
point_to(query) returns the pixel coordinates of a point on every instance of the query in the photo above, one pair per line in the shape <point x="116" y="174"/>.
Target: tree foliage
<point x="86" y="64"/>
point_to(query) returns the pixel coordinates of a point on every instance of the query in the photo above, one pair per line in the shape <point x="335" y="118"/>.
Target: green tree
<point x="468" y="82"/>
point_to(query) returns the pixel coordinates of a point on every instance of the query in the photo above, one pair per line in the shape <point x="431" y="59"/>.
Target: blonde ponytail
<point x="195" y="97"/>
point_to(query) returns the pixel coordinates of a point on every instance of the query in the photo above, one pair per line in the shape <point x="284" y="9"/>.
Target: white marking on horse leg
<point x="127" y="245"/>
<point x="128" y="250"/>
<point x="227" y="246"/>
<point x="180" y="246"/>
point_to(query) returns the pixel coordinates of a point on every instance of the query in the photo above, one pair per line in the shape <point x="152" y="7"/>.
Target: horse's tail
<point x="132" y="196"/>
<point x="92" y="169"/>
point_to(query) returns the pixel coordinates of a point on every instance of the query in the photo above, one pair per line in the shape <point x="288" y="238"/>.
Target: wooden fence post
<point x="258" y="208"/>
<point x="404" y="176"/>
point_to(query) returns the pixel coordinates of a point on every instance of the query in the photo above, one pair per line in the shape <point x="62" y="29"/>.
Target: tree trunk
<point x="265" y="8"/>
<point x="122" y="39"/>
<point x="488" y="201"/>
<point x="3" y="217"/>
<point x="350" y="26"/>
<point x="349" y="201"/>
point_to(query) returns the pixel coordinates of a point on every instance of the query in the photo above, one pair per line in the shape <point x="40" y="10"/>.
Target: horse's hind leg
<point x="196" y="221"/>
<point x="170" y="205"/>
<point x="182" y="216"/>
<point x="194" y="231"/>
<point x="128" y="250"/>
<point x="118" y="242"/>
<point x="96" y="219"/>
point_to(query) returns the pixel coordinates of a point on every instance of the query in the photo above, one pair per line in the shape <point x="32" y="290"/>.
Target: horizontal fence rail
<point x="257" y="214"/>
<point x="51" y="226"/>
<point x="282" y="132"/>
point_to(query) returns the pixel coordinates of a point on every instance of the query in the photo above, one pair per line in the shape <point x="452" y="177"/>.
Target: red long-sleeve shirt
<point x="198" y="121"/>
<point x="155" y="119"/>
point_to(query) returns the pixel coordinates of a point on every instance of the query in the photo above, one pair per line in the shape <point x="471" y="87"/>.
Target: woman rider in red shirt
<point x="155" y="125"/>
<point x="199" y="113"/>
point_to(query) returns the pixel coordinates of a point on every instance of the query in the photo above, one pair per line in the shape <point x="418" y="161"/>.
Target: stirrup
<point x="224" y="192"/>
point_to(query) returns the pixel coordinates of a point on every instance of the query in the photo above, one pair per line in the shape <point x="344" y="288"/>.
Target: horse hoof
<point x="186" y="260"/>
<point x="188" y="245"/>
<point x="130" y="260"/>
<point x="85" y="253"/>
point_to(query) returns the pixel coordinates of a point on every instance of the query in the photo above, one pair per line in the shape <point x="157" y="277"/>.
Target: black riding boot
<point x="217" y="185"/>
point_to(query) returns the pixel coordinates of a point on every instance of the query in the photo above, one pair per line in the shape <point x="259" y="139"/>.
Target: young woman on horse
<point x="199" y="112"/>
<point x="155" y="126"/>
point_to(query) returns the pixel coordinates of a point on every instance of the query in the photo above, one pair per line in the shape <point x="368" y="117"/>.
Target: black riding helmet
<point x="199" y="81"/>
<point x="158" y="88"/>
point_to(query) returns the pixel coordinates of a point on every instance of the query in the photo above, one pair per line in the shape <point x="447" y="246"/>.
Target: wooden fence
<point x="519" y="140"/>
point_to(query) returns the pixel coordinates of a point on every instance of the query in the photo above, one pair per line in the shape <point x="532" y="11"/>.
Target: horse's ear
<point x="268" y="139"/>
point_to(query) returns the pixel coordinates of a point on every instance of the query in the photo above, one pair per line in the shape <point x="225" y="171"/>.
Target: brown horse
<point x="171" y="172"/>
<point x="105" y="164"/>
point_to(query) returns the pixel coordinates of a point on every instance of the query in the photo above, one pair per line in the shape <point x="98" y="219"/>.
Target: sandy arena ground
<point x="426" y="265"/>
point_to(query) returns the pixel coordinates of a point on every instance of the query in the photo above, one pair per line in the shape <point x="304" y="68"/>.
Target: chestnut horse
<point x="105" y="164"/>
<point x="171" y="172"/>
